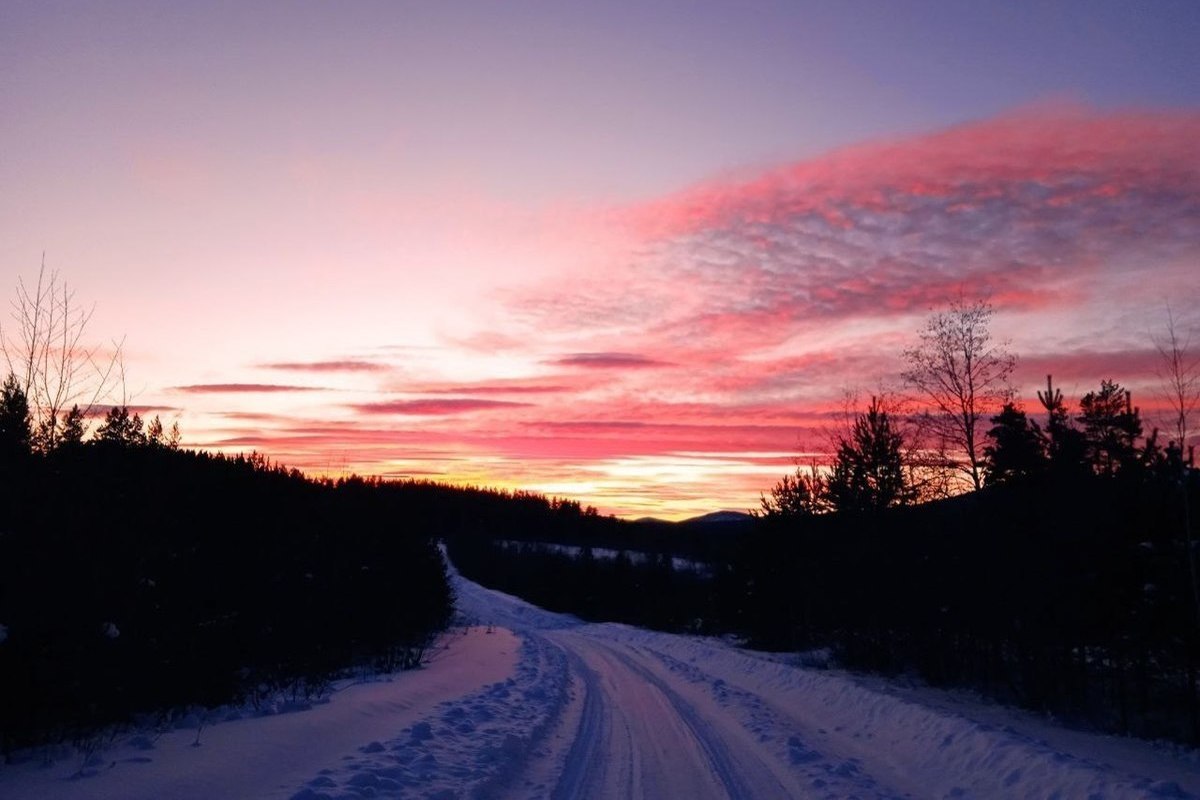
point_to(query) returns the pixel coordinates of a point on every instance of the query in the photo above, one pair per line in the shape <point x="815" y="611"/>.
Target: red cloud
<point x="496" y="387"/>
<point x="606" y="361"/>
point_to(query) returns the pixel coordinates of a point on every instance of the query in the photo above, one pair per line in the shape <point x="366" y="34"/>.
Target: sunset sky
<point x="632" y="253"/>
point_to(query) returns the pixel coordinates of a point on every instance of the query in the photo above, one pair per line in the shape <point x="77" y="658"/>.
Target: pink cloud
<point x="606" y="361"/>
<point x="439" y="406"/>
<point x="241" y="388"/>
<point x="143" y="411"/>
<point x="493" y="388"/>
<point x="345" y="365"/>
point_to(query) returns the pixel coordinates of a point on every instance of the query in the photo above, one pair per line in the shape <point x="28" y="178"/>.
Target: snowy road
<point x="640" y="737"/>
<point x="541" y="706"/>
<point x="646" y="714"/>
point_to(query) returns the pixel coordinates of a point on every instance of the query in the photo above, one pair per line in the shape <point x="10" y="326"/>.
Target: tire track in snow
<point x="584" y="758"/>
<point x="718" y="754"/>
<point x="637" y="736"/>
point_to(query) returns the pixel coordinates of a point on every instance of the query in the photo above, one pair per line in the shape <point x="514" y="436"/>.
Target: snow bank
<point x="471" y="746"/>
<point x="268" y="756"/>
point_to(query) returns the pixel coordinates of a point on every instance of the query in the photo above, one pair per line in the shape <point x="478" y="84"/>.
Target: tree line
<point x="137" y="578"/>
<point x="888" y="456"/>
<point x="1064" y="578"/>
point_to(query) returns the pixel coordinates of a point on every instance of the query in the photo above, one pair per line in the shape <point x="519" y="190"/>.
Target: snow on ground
<point x="267" y="756"/>
<point x="562" y="709"/>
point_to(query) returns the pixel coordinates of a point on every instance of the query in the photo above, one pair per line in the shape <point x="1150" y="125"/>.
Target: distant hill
<point x="724" y="521"/>
<point x="720" y="518"/>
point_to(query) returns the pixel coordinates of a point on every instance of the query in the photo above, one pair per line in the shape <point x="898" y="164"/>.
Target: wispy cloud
<point x="242" y="388"/>
<point x="493" y="388"/>
<point x="344" y="365"/>
<point x="439" y="406"/>
<point x="606" y="361"/>
<point x="102" y="409"/>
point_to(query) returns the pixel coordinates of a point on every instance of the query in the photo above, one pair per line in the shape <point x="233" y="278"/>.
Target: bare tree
<point x="963" y="376"/>
<point x="46" y="351"/>
<point x="1179" y="377"/>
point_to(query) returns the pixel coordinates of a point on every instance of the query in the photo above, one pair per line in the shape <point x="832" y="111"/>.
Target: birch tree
<point x="963" y="376"/>
<point x="46" y="350"/>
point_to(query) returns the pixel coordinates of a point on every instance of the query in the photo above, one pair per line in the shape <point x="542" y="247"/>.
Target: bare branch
<point x="45" y="349"/>
<point x="963" y="376"/>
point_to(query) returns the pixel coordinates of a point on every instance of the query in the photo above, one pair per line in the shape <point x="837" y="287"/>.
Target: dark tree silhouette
<point x="73" y="428"/>
<point x="1065" y="445"/>
<point x="801" y="494"/>
<point x="1016" y="452"/>
<point x="14" y="419"/>
<point x="119" y="427"/>
<point x="1111" y="427"/>
<point x="868" y="470"/>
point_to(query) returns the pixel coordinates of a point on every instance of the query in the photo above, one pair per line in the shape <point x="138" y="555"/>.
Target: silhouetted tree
<point x="1016" y="452"/>
<point x="963" y="375"/>
<point x="73" y="428"/>
<point x="1111" y="427"/>
<point x="868" y="470"/>
<point x="119" y="427"/>
<point x="802" y="494"/>
<point x="14" y="419"/>
<point x="1179" y="376"/>
<point x="45" y="348"/>
<point x="154" y="433"/>
<point x="1065" y="445"/>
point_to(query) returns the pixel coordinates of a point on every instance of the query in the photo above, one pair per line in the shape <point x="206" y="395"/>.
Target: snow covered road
<point x="559" y="709"/>
<point x="657" y="715"/>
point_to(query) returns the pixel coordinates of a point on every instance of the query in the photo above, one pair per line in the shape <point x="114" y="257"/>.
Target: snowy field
<point x="541" y="705"/>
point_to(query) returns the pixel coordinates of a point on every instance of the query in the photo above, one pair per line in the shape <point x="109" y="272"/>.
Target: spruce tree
<point x="868" y="471"/>
<point x="1111" y="427"/>
<point x="1016" y="451"/>
<point x="15" y="436"/>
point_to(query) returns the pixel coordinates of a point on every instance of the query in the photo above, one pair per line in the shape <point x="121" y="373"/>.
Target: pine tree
<point x="154" y="433"/>
<point x="1016" y="452"/>
<point x="868" y="472"/>
<point x="15" y="436"/>
<point x="1065" y="445"/>
<point x="1111" y="427"/>
<point x="799" y="495"/>
<point x="73" y="428"/>
<point x="121" y="428"/>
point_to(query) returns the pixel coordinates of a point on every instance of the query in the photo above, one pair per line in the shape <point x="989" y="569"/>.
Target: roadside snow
<point x="267" y="756"/>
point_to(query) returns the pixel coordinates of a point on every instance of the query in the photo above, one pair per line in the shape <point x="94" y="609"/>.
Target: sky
<point x="636" y="254"/>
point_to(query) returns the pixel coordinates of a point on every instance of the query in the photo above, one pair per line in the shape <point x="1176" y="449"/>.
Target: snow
<point x="542" y="705"/>
<point x="267" y="756"/>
